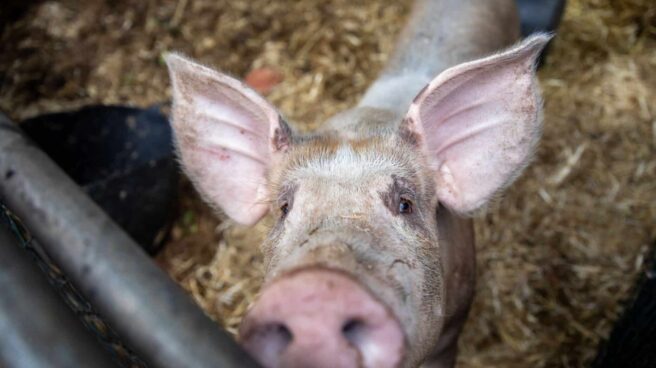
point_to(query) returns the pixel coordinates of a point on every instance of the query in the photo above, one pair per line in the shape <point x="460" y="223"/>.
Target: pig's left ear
<point x="479" y="123"/>
<point x="227" y="137"/>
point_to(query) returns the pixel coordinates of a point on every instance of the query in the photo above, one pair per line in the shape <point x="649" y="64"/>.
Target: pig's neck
<point x="438" y="35"/>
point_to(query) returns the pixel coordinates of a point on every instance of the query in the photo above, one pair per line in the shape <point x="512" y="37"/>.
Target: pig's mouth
<point x="316" y="317"/>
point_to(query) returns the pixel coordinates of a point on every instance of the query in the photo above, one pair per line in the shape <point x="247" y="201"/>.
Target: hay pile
<point x="556" y="256"/>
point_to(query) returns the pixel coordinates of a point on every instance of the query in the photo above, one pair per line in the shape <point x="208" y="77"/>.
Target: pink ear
<point x="479" y="123"/>
<point x="226" y="136"/>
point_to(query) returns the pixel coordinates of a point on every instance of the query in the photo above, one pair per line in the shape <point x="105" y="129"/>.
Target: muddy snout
<point x="320" y="318"/>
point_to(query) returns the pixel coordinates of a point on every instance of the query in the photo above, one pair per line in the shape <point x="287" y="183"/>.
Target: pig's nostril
<point x="281" y="334"/>
<point x="269" y="340"/>
<point x="353" y="330"/>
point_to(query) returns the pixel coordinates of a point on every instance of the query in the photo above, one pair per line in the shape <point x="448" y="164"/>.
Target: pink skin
<point x="325" y="313"/>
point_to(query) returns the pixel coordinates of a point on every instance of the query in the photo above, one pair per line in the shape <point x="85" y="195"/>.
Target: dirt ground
<point x="557" y="256"/>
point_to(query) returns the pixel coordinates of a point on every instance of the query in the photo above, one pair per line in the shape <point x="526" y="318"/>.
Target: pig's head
<point x="353" y="262"/>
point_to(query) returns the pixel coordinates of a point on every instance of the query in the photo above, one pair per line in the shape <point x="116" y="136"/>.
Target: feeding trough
<point x="123" y="158"/>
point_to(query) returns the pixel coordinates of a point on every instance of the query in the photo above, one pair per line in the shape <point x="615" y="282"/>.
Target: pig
<point x="370" y="261"/>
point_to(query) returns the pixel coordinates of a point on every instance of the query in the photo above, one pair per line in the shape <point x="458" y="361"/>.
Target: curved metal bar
<point x="38" y="330"/>
<point x="138" y="299"/>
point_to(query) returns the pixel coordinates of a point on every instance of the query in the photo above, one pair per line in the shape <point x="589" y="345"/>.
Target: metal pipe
<point x="137" y="298"/>
<point x="38" y="329"/>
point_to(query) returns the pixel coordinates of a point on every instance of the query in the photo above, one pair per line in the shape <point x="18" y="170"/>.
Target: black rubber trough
<point x="152" y="314"/>
<point x="122" y="157"/>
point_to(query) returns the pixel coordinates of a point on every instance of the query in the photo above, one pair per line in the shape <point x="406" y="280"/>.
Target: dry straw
<point x="556" y="256"/>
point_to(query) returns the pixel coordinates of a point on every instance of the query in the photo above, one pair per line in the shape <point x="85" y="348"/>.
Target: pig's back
<point x="361" y="123"/>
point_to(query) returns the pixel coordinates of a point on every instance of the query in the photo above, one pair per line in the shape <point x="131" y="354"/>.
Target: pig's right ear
<point x="227" y="137"/>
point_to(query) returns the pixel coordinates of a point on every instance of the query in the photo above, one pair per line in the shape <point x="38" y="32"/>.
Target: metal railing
<point x="153" y="316"/>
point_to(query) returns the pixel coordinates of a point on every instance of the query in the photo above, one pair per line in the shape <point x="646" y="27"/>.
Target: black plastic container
<point x="123" y="158"/>
<point x="540" y="16"/>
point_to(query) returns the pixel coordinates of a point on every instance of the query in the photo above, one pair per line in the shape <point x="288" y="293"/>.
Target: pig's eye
<point x="284" y="208"/>
<point x="285" y="199"/>
<point x="405" y="206"/>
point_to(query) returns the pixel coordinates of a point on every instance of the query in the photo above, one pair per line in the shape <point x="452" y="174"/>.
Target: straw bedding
<point x="557" y="256"/>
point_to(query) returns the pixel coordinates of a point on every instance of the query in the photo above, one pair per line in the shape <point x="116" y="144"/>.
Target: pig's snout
<point x="320" y="318"/>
